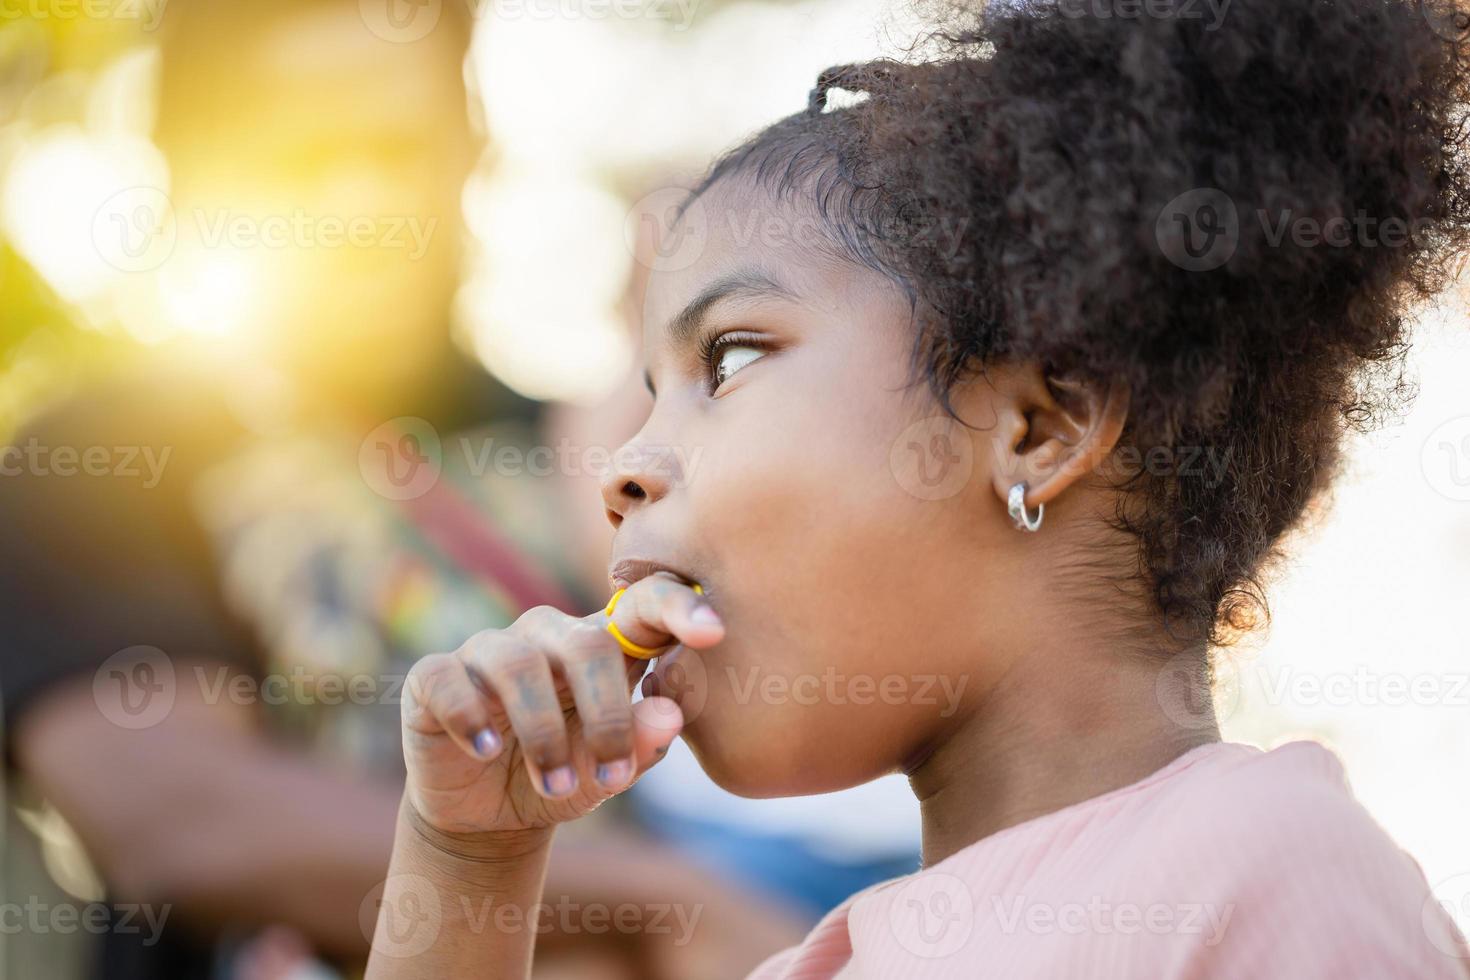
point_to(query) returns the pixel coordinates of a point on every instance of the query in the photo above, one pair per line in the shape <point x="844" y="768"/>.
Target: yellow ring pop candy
<point x="629" y="647"/>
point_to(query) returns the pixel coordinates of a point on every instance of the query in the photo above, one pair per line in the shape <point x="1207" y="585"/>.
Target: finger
<point x="594" y="667"/>
<point x="443" y="700"/>
<point x="659" y="610"/>
<point x="656" y="723"/>
<point x="520" y="676"/>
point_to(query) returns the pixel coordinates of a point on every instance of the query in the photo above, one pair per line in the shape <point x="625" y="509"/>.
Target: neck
<point x="1109" y="722"/>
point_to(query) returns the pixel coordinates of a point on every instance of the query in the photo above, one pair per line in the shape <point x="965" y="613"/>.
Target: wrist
<point x="486" y="850"/>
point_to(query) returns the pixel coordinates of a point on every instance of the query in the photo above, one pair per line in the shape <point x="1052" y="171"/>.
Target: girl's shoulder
<point x="1231" y="860"/>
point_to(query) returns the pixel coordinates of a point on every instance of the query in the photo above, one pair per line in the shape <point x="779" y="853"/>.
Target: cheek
<point x="796" y="501"/>
<point x="827" y="566"/>
<point x="813" y="528"/>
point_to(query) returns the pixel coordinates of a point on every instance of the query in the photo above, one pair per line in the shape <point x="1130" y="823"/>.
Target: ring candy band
<point x="629" y="647"/>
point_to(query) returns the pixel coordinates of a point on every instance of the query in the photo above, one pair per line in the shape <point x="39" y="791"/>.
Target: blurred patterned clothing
<point x="314" y="566"/>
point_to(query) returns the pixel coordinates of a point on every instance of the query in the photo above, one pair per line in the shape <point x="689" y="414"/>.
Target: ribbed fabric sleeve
<point x="1229" y="862"/>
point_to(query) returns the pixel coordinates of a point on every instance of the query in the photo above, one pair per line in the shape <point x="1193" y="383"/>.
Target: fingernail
<point x="704" y="616"/>
<point x="487" y="743"/>
<point x="614" y="774"/>
<point x="559" y="781"/>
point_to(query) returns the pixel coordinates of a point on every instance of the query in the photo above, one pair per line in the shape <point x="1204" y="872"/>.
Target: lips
<point x="677" y="672"/>
<point x="624" y="572"/>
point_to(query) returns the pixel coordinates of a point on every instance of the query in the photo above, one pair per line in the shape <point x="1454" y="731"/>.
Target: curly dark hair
<point x="1138" y="196"/>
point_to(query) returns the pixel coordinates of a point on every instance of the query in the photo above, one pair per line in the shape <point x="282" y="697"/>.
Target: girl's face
<point x="851" y="548"/>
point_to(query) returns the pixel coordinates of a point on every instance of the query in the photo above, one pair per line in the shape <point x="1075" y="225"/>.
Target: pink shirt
<point x="1228" y="862"/>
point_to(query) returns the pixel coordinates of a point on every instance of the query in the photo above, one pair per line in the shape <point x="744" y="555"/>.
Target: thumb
<point x="656" y="723"/>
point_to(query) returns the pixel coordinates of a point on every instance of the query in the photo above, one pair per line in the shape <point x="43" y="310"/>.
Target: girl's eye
<point x="729" y="358"/>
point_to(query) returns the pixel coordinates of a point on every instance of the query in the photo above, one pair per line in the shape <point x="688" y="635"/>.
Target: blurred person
<point x="206" y="637"/>
<point x="232" y="555"/>
<point x="919" y="424"/>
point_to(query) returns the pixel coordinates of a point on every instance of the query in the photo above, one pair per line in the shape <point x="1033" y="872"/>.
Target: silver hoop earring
<point x="1016" y="504"/>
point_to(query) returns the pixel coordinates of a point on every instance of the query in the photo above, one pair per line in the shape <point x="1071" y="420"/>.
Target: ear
<point x="1052" y="429"/>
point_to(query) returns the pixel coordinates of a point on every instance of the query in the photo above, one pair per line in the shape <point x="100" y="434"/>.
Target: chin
<point x="752" y="775"/>
<point x="760" y="757"/>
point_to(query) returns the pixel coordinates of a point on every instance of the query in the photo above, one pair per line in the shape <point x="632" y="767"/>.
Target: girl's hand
<point x="526" y="727"/>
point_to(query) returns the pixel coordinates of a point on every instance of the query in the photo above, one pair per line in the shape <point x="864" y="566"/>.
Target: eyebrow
<point x="744" y="284"/>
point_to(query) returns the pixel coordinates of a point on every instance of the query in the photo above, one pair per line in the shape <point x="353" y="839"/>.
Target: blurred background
<point x="280" y="255"/>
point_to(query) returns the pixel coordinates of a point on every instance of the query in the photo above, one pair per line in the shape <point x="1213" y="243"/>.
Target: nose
<point x="639" y="476"/>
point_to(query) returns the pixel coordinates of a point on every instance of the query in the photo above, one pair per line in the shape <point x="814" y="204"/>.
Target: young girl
<point x="979" y="406"/>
